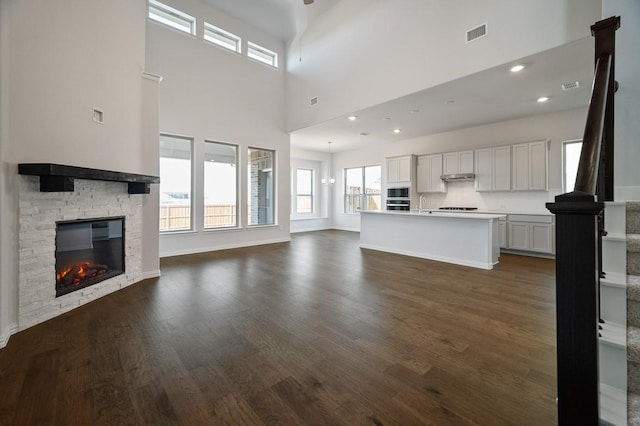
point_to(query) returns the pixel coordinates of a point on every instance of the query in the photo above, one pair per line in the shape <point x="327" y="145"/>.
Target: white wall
<point x="320" y="219"/>
<point x="59" y="61"/>
<point x="210" y="93"/>
<point x="151" y="129"/>
<point x="557" y="127"/>
<point x="364" y="52"/>
<point x="627" y="98"/>
<point x="8" y="238"/>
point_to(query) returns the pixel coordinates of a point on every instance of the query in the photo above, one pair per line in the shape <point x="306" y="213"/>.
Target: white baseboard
<point x="480" y="265"/>
<point x="340" y="228"/>
<point x="150" y="274"/>
<point x="314" y="229"/>
<point x="4" y="337"/>
<point x="225" y="247"/>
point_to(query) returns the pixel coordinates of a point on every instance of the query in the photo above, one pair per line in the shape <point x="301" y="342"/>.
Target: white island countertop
<point x="469" y="239"/>
<point x="443" y="213"/>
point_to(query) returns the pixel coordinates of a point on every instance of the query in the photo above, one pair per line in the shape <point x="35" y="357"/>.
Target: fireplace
<point x="88" y="251"/>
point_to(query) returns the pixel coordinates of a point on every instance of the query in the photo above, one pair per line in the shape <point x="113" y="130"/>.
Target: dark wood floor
<point x="314" y="332"/>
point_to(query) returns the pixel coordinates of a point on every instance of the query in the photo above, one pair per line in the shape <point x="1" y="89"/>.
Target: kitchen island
<point x="469" y="239"/>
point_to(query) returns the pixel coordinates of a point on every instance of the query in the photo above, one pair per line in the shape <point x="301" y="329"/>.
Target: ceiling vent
<point x="476" y="33"/>
<point x="571" y="85"/>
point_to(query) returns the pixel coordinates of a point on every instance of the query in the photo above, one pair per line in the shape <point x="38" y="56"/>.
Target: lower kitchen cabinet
<point x="531" y="233"/>
<point x="502" y="233"/>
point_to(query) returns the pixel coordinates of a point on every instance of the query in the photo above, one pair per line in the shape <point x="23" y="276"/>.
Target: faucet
<point x="422" y="198"/>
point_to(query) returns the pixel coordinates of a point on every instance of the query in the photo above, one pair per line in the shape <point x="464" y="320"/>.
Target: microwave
<point x="398" y="192"/>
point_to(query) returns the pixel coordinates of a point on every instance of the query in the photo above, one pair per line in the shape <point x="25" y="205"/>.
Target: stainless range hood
<point x="458" y="177"/>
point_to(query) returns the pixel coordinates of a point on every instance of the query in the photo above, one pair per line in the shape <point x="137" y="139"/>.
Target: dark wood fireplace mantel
<point x="60" y="178"/>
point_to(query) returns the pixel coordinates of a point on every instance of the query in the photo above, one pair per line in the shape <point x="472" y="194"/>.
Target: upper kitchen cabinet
<point x="457" y="162"/>
<point x="493" y="168"/>
<point x="429" y="172"/>
<point x="529" y="166"/>
<point x="400" y="170"/>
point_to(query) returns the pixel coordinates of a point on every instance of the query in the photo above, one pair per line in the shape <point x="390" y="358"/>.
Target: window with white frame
<point x="175" y="183"/>
<point x="220" y="185"/>
<point x="570" y="158"/>
<point x="262" y="54"/>
<point x="222" y="38"/>
<point x="261" y="186"/>
<point x="171" y="17"/>
<point x="363" y="189"/>
<point x="304" y="191"/>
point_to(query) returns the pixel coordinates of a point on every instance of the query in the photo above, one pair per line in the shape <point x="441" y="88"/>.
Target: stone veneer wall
<point x="38" y="213"/>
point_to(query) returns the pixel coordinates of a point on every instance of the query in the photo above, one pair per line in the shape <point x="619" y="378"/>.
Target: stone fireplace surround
<point x="38" y="213"/>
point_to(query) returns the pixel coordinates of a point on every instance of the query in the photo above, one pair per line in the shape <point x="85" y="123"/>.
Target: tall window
<point x="175" y="183"/>
<point x="261" y="184"/>
<point x="304" y="191"/>
<point x="570" y="159"/>
<point x="220" y="185"/>
<point x="363" y="189"/>
<point x="174" y="18"/>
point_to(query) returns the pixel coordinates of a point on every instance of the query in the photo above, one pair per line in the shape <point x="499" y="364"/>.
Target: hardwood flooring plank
<point x="310" y="409"/>
<point x="37" y="401"/>
<point x="316" y="331"/>
<point x="75" y="400"/>
<point x="234" y="410"/>
<point x="153" y="405"/>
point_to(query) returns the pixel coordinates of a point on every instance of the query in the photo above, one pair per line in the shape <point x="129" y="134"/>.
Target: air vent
<point x="477" y="32"/>
<point x="571" y="85"/>
<point x="314" y="100"/>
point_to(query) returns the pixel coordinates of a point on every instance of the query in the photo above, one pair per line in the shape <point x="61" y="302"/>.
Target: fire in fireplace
<point x="87" y="252"/>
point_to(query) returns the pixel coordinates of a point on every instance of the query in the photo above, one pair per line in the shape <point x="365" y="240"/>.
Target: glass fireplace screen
<point x="87" y="252"/>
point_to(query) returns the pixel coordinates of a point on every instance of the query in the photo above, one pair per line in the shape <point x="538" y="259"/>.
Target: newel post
<point x="577" y="307"/>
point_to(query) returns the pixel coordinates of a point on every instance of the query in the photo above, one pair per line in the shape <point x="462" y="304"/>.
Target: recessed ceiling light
<point x="364" y="134"/>
<point x="543" y="99"/>
<point x="396" y="131"/>
<point x="449" y="102"/>
<point x="387" y="118"/>
<point x="352" y="117"/>
<point x="517" y="68"/>
<point x="415" y="111"/>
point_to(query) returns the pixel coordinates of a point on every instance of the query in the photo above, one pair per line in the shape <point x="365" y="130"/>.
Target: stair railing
<point x="578" y="243"/>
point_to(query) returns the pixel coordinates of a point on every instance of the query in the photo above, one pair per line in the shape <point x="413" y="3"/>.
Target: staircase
<point x="633" y="312"/>
<point x="619" y="342"/>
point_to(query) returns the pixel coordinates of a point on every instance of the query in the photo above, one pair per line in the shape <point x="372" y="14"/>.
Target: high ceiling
<point x="486" y="97"/>
<point x="279" y="18"/>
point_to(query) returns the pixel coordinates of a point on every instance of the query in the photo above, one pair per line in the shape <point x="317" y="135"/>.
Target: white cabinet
<point x="457" y="162"/>
<point x="518" y="236"/>
<point x="529" y="166"/>
<point x="399" y="169"/>
<point x="531" y="233"/>
<point x="429" y="172"/>
<point x="502" y="168"/>
<point x="493" y="169"/>
<point x="502" y="233"/>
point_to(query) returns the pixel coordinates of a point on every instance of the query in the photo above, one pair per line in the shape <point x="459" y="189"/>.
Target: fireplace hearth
<point x="87" y="252"/>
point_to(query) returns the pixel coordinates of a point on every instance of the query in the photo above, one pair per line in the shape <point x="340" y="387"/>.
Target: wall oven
<point x="398" y="199"/>
<point x="398" y="205"/>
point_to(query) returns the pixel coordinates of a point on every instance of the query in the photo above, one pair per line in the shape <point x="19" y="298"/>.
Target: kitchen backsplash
<point x="463" y="194"/>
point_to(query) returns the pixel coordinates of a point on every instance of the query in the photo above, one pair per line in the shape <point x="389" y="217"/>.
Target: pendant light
<point x="328" y="179"/>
